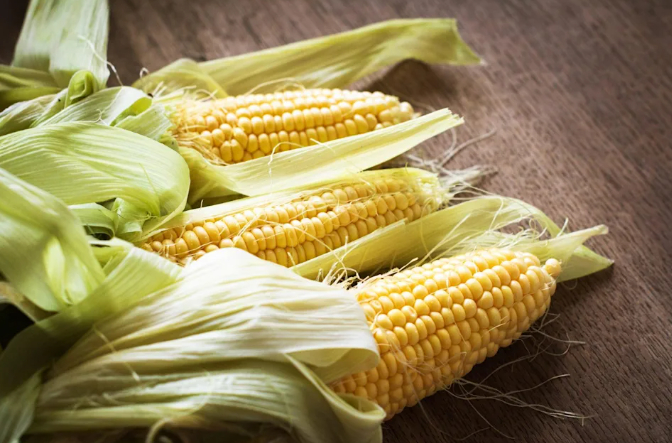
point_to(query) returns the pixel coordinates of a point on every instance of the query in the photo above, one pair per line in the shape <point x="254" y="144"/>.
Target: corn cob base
<point x="435" y="322"/>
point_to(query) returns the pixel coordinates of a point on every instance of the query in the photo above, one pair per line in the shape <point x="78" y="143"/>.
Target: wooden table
<point x="579" y="93"/>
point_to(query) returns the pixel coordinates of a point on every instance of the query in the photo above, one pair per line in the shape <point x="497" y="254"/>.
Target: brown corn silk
<point x="434" y="322"/>
<point x="245" y="127"/>
<point x="307" y="224"/>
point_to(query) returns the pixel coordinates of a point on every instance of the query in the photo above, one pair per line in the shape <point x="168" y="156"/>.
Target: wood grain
<point x="580" y="93"/>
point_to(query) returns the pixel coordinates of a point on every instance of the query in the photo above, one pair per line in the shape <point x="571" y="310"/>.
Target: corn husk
<point x="82" y="163"/>
<point x="22" y="84"/>
<point x="254" y="354"/>
<point x="129" y="272"/>
<point x="14" y="77"/>
<point x="97" y="220"/>
<point x="21" y="115"/>
<point x="329" y="62"/>
<point x="29" y="113"/>
<point x="44" y="249"/>
<point x="124" y="107"/>
<point x="178" y="77"/>
<point x="17" y="407"/>
<point x="461" y="228"/>
<point x="151" y="122"/>
<point x="105" y="107"/>
<point x="61" y="45"/>
<point x="308" y="166"/>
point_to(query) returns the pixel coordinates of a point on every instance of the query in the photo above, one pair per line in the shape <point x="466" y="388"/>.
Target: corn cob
<point x="433" y="323"/>
<point x="307" y="226"/>
<point x="245" y="127"/>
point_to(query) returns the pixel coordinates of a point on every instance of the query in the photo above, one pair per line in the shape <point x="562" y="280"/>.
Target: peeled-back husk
<point x="83" y="163"/>
<point x="62" y="45"/>
<point x="44" y="249"/>
<point x="461" y="228"/>
<point x="124" y="107"/>
<point x="240" y="353"/>
<point x="333" y="61"/>
<point x="305" y="167"/>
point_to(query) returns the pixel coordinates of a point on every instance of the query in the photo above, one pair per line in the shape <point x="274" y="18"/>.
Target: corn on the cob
<point x="433" y="323"/>
<point x="241" y="128"/>
<point x="313" y="223"/>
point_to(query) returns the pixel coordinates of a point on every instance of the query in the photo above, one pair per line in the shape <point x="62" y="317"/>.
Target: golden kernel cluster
<point x="303" y="228"/>
<point x="242" y="128"/>
<point x="433" y="323"/>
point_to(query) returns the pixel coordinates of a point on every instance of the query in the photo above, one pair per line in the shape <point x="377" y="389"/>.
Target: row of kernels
<point x="347" y="223"/>
<point x="247" y="147"/>
<point x="258" y="240"/>
<point x="343" y="194"/>
<point x="288" y="115"/>
<point x="311" y="97"/>
<point x="334" y="109"/>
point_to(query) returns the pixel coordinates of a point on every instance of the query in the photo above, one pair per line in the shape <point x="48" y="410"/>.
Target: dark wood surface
<point x="580" y="93"/>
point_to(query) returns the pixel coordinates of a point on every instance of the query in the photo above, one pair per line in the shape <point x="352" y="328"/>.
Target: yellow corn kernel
<point x="438" y="334"/>
<point x="237" y="129"/>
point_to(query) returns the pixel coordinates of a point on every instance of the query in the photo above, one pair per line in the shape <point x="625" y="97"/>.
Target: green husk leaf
<point x="62" y="38"/>
<point x="329" y="62"/>
<point x="90" y="163"/>
<point x="45" y="252"/>
<point x="17" y="408"/>
<point x="565" y="248"/>
<point x="235" y="399"/>
<point x="226" y="291"/>
<point x="305" y="167"/>
<point x="238" y="353"/>
<point x="124" y="107"/>
<point x="181" y="75"/>
<point x="9" y="97"/>
<point x="97" y="219"/>
<point x="12" y="77"/>
<point x="82" y="84"/>
<point x="152" y="123"/>
<point x="9" y="294"/>
<point x="457" y="229"/>
<point x="340" y="59"/>
<point x="578" y="261"/>
<point x="62" y="46"/>
<point x="22" y="84"/>
<point x="131" y="274"/>
<point x="583" y="261"/>
<point x="105" y="107"/>
<point x="22" y="115"/>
